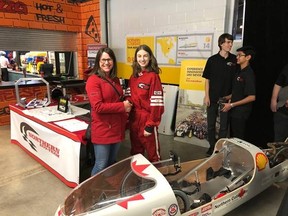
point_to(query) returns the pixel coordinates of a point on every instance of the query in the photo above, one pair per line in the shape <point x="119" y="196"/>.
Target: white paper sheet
<point x="72" y="125"/>
<point x="50" y="113"/>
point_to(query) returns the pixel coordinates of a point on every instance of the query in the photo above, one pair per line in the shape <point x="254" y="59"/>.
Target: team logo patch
<point x="230" y="64"/>
<point x="144" y="86"/>
<point x="157" y="92"/>
<point x="240" y="79"/>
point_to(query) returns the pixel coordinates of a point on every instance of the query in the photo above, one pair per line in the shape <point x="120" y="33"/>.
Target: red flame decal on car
<point x="124" y="203"/>
<point x="139" y="168"/>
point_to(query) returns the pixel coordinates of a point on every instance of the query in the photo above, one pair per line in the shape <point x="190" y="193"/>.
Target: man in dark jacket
<point x="279" y="106"/>
<point x="218" y="72"/>
<point x="243" y="93"/>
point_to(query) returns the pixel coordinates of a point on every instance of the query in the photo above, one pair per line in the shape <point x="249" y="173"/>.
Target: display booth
<point x="52" y="138"/>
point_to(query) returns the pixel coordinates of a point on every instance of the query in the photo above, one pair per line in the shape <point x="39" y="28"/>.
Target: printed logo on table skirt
<point x="34" y="140"/>
<point x="25" y="129"/>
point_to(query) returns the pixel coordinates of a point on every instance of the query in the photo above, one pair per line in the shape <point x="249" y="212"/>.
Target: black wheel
<point x="182" y="200"/>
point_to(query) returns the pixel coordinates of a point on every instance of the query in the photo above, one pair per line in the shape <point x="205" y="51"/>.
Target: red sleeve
<point x="102" y="96"/>
<point x="156" y="101"/>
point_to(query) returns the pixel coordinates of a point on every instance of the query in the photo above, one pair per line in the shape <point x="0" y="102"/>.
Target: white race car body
<point x="235" y="172"/>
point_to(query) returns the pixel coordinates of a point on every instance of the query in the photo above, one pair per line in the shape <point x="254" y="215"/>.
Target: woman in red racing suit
<point x="146" y="94"/>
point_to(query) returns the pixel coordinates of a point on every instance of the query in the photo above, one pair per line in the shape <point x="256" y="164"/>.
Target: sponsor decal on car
<point x="173" y="209"/>
<point x="194" y="214"/>
<point x="230" y="200"/>
<point x="261" y="161"/>
<point x="161" y="211"/>
<point x="206" y="210"/>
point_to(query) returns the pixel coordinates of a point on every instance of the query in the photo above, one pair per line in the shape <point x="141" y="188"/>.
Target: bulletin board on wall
<point x="169" y="51"/>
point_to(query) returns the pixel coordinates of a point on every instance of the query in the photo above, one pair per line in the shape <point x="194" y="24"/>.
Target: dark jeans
<point x="212" y="113"/>
<point x="4" y="75"/>
<point x="238" y="126"/>
<point x="280" y="127"/>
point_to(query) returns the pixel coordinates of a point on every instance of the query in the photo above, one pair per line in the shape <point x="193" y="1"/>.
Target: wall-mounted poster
<point x="173" y="49"/>
<point x="191" y="75"/>
<point x="132" y="42"/>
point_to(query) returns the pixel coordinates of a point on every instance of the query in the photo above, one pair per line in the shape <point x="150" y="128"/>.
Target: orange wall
<point x="90" y="12"/>
<point x="8" y="96"/>
<point x="56" y="15"/>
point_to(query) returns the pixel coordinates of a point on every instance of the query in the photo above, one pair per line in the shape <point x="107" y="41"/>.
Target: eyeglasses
<point x="239" y="55"/>
<point x="105" y="60"/>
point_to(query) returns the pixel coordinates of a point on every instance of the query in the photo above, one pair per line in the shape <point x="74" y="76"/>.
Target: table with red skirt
<point x="62" y="152"/>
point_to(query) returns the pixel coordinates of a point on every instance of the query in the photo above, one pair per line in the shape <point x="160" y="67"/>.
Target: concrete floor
<point x="28" y="189"/>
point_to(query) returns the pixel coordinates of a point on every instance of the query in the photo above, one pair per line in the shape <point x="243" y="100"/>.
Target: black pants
<point x="212" y="114"/>
<point x="4" y="75"/>
<point x="238" y="126"/>
<point x="280" y="127"/>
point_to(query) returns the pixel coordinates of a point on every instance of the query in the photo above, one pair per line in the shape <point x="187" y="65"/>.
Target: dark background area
<point x="266" y="29"/>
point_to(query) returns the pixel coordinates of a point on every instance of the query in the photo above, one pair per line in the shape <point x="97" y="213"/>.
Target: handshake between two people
<point x="128" y="106"/>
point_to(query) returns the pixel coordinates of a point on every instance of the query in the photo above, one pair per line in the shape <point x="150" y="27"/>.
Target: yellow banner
<point x="191" y="74"/>
<point x="133" y="42"/>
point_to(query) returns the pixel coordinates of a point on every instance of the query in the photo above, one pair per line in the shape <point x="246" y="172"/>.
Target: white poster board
<point x="170" y="99"/>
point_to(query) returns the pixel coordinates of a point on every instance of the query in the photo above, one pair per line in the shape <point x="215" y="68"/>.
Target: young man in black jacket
<point x="219" y="73"/>
<point x="243" y="93"/>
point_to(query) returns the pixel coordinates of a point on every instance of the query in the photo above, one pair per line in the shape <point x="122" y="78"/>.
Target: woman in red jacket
<point x="146" y="94"/>
<point x="108" y="111"/>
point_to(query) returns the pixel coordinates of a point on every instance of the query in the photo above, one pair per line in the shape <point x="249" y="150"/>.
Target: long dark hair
<point x="151" y="67"/>
<point x="97" y="70"/>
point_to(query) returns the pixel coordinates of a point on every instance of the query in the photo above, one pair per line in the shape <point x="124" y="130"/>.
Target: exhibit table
<point x="52" y="141"/>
